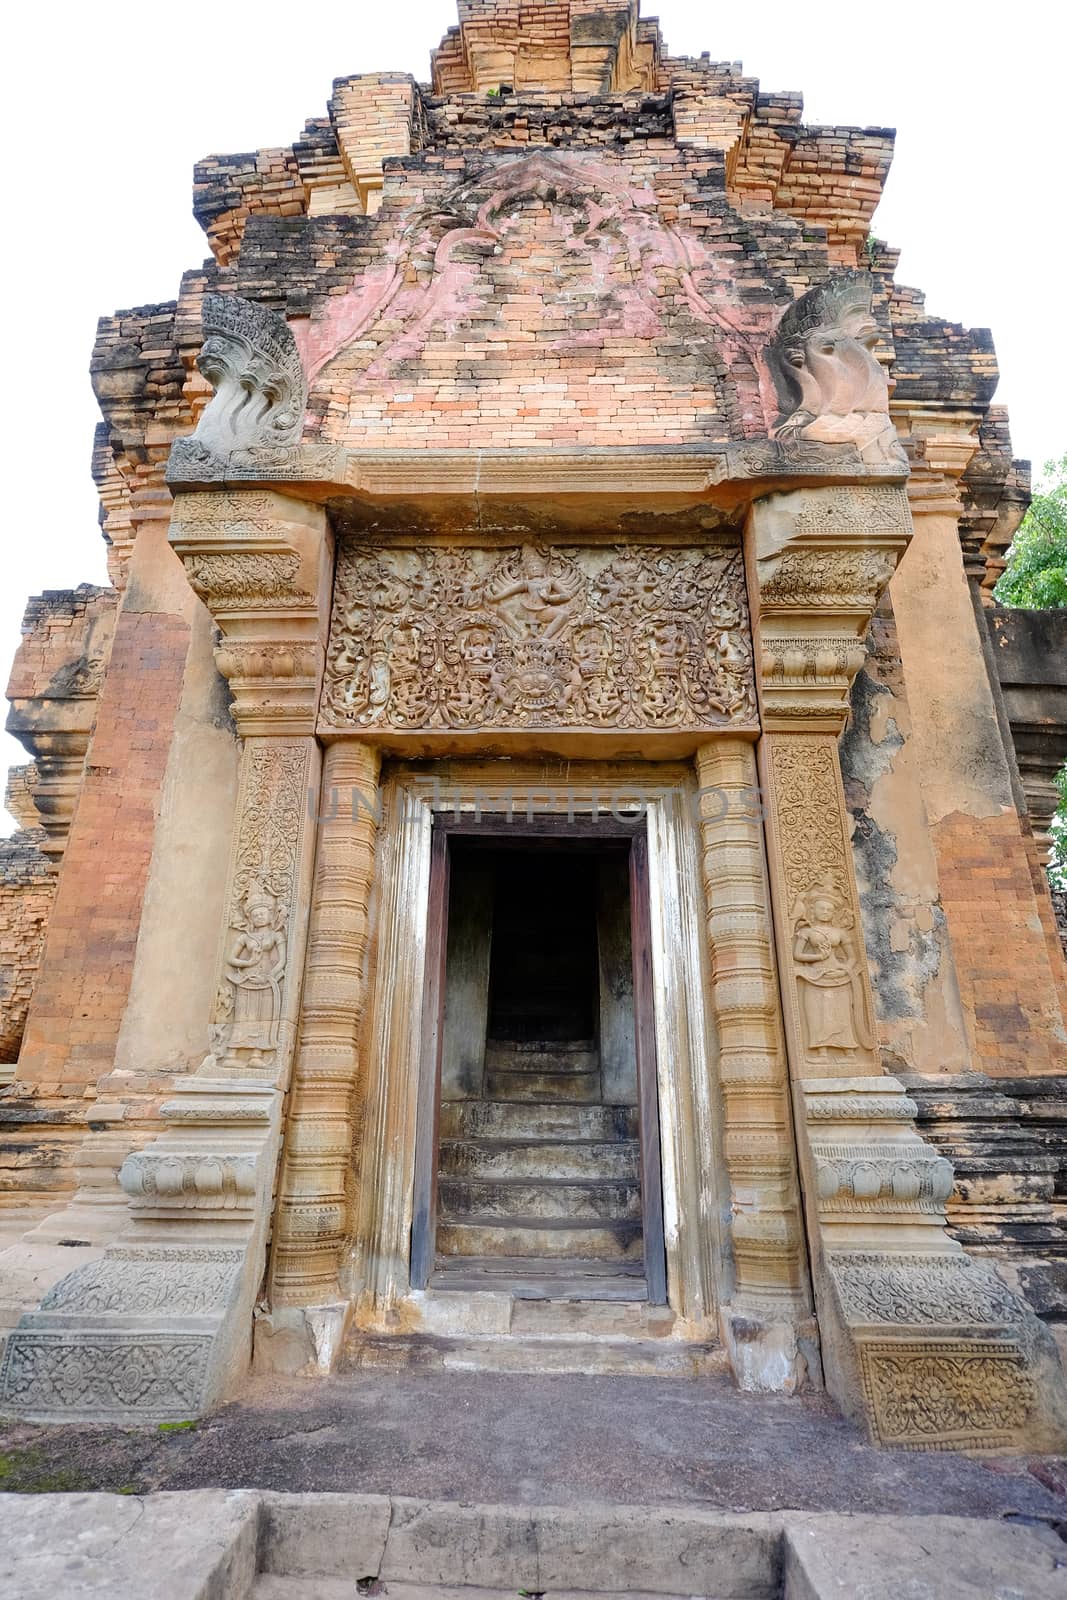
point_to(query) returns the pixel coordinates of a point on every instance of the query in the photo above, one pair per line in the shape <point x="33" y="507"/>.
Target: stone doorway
<point x="538" y="1156"/>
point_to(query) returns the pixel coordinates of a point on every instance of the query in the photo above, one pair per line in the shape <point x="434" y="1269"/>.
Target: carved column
<point x="311" y="1214"/>
<point x="928" y="1346"/>
<point x="766" y="1323"/>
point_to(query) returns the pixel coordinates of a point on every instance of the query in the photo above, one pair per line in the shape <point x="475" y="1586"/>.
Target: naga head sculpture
<point x="831" y="387"/>
<point x="250" y="359"/>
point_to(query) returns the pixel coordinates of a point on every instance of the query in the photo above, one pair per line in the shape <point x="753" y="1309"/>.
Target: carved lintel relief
<point x="931" y="1350"/>
<point x="593" y="638"/>
<point x="831" y="387"/>
<point x="260" y="562"/>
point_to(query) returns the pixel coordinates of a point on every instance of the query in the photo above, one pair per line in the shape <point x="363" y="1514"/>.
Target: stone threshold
<point x="246" y="1545"/>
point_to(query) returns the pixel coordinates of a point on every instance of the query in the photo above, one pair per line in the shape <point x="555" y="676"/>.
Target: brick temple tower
<point x="529" y="852"/>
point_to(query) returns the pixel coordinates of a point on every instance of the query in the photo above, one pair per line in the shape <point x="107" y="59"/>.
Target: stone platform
<point x="525" y="1439"/>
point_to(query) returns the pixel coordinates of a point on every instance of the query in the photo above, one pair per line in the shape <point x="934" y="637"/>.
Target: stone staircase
<point x="539" y="1189"/>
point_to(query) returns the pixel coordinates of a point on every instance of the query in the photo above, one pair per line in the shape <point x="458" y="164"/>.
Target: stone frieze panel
<point x="532" y="638"/>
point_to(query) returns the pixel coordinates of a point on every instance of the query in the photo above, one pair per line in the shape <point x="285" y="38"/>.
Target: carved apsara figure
<point x="834" y="1004"/>
<point x="255" y="967"/>
<point x="831" y="387"/>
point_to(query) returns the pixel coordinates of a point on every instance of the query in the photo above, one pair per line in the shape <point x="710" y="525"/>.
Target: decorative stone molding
<point x="821" y="560"/>
<point x="767" y="1317"/>
<point x="831" y="386"/>
<point x="251" y="361"/>
<point x="260" y="562"/>
<point x="463" y="639"/>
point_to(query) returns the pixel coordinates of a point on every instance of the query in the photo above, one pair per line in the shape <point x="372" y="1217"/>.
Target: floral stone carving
<point x="831" y="387"/>
<point x="250" y="359"/>
<point x="945" y="1395"/>
<point x="655" y="637"/>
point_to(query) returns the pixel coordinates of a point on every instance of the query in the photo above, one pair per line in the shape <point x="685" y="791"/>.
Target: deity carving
<point x="831" y="387"/>
<point x="834" y="1004"/>
<point x="595" y="637"/>
<point x="534" y="592"/>
<point x="254" y="970"/>
<point x="250" y="359"/>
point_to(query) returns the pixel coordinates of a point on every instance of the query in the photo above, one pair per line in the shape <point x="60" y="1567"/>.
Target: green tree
<point x="1036" y="574"/>
<point x="1036" y="580"/>
<point x="1058" y="864"/>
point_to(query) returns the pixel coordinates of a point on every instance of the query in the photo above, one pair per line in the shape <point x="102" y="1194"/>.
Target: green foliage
<point x="1036" y="575"/>
<point x="1058" y="866"/>
<point x="176" y="1427"/>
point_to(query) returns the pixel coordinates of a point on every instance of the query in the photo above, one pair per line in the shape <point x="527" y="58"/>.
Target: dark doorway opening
<point x="538" y="1169"/>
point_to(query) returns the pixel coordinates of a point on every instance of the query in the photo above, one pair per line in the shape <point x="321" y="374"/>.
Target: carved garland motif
<point x="191" y="1284"/>
<point x="912" y="1290"/>
<point x="653" y="637"/>
<point x="247" y="581"/>
<point x="839" y="580"/>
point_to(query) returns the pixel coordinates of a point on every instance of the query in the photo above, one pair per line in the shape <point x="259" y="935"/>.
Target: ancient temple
<point x="528" y="858"/>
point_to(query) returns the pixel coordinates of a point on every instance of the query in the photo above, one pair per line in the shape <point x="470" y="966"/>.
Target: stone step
<point x="539" y="1158"/>
<point x="275" y="1588"/>
<point x="533" y="1236"/>
<point x="391" y="1543"/>
<point x="591" y="1357"/>
<point x="483" y="1119"/>
<point x="582" y="1088"/>
<point x="541" y="1058"/>
<point x="559" y="1278"/>
<point x="550" y="1200"/>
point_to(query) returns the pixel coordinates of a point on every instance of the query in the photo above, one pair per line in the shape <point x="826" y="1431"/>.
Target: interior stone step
<point x="581" y="1087"/>
<point x="552" y="1275"/>
<point x="483" y="1119"/>
<point x="550" y="1200"/>
<point x="541" y="1058"/>
<point x="554" y="1158"/>
<point x="533" y="1236"/>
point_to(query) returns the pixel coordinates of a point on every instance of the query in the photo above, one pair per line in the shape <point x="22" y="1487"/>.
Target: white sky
<point x="107" y="107"/>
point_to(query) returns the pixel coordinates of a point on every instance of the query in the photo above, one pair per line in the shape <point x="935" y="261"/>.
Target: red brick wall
<point x="82" y="991"/>
<point x="1009" y="987"/>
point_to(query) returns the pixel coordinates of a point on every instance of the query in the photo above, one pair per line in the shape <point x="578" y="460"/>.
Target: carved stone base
<point x="931" y="1349"/>
<point x="160" y="1327"/>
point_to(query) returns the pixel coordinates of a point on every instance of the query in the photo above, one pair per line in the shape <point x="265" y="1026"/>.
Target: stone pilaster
<point x="930" y="1348"/>
<point x="767" y="1319"/>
